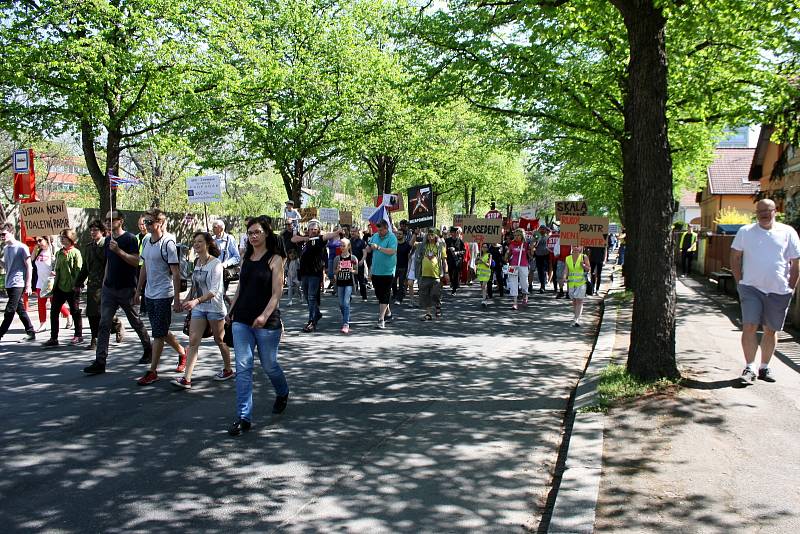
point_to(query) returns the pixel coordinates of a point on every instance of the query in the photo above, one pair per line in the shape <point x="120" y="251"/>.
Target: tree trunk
<point x="466" y="200"/>
<point x="383" y="168"/>
<point x="297" y="181"/>
<point x="472" y="200"/>
<point x="99" y="177"/>
<point x="647" y="170"/>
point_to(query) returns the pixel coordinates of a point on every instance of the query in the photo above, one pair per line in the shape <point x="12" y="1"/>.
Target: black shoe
<point x="560" y="294"/>
<point x="280" y="403"/>
<point x="310" y="327"/>
<point x="541" y="291"/>
<point x="766" y="375"/>
<point x="92" y="345"/>
<point x="239" y="426"/>
<point x="95" y="369"/>
<point x="147" y="357"/>
<point x="388" y="317"/>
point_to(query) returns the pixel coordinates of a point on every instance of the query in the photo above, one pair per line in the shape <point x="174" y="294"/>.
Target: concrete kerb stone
<point x="576" y="498"/>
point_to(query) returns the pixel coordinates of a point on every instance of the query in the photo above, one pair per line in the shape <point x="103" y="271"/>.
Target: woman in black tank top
<point x="256" y="320"/>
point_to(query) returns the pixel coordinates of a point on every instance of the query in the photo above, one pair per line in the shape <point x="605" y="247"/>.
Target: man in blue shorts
<point x="765" y="260"/>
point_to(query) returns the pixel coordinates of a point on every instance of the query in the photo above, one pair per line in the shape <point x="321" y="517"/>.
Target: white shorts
<point x="517" y="280"/>
<point x="577" y="292"/>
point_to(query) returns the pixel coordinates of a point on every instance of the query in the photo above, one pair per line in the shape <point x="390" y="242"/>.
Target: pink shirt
<point x="519" y="254"/>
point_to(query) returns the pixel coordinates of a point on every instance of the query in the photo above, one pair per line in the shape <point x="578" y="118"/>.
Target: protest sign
<point x="458" y="219"/>
<point x="481" y="230"/>
<point x="392" y="201"/>
<point x="329" y="215"/>
<point x="346" y="217"/>
<point x="571" y="207"/>
<point x="421" y="208"/>
<point x="584" y="231"/>
<point x="306" y="214"/>
<point x="527" y="212"/>
<point x="44" y="218"/>
<point x="367" y="212"/>
<point x="204" y="189"/>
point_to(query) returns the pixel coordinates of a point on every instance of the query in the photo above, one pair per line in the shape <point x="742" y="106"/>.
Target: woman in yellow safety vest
<point x="577" y="266"/>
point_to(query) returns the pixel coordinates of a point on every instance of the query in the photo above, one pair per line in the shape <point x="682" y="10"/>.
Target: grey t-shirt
<point x="14" y="258"/>
<point x="158" y="256"/>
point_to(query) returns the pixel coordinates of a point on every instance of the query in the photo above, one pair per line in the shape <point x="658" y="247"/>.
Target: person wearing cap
<point x="67" y="265"/>
<point x="292" y="216"/>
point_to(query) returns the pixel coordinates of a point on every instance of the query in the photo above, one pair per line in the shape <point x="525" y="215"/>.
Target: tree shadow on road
<point x="442" y="426"/>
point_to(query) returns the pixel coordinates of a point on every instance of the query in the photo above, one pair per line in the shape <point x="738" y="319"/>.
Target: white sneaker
<point x="381" y="325"/>
<point x="290" y="303"/>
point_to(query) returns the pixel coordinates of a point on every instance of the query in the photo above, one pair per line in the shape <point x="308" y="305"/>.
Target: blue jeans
<point x="246" y="338"/>
<point x="344" y="293"/>
<point x="310" y="285"/>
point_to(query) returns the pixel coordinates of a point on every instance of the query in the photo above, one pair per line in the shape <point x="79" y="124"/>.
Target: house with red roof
<point x="728" y="185"/>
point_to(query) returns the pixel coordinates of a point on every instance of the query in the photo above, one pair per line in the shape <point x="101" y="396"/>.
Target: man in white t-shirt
<point x="160" y="279"/>
<point x="765" y="260"/>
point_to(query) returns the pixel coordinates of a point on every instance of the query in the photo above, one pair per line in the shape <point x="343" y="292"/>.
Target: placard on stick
<point x="482" y="230"/>
<point x="45" y="218"/>
<point x="571" y="207"/>
<point x="346" y="217"/>
<point x="584" y="231"/>
<point x="306" y="214"/>
<point x="329" y="215"/>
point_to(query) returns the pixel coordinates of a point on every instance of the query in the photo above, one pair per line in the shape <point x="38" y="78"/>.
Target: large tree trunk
<point x="99" y="177"/>
<point x="647" y="169"/>
<point x="472" y="200"/>
<point x="383" y="168"/>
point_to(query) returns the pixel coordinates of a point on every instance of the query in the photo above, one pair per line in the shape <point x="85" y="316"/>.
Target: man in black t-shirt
<point x="596" y="257"/>
<point x="455" y="257"/>
<point x="313" y="260"/>
<point x="119" y="285"/>
<point x="401" y="269"/>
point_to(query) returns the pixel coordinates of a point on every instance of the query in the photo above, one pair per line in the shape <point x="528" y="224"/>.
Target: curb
<point x="576" y="496"/>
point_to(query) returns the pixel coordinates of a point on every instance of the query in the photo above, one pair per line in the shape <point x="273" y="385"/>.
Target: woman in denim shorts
<point x="207" y="307"/>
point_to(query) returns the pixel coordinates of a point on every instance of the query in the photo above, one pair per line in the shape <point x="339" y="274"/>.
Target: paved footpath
<point x="715" y="457"/>
<point x="449" y="426"/>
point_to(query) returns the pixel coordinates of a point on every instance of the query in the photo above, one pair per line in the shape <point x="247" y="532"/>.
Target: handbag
<point x="188" y="320"/>
<point x="230" y="273"/>
<point x="47" y="290"/>
<point x="228" y="337"/>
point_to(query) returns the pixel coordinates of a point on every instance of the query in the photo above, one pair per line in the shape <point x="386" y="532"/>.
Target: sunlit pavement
<point x="450" y="425"/>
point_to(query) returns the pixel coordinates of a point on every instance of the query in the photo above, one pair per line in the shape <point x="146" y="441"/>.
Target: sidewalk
<point x="713" y="457"/>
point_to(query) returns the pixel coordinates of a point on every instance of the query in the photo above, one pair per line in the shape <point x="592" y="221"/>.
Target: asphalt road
<point x="446" y="426"/>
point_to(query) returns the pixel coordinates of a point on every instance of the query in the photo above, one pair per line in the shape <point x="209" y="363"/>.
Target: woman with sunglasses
<point x="43" y="263"/>
<point x="256" y="320"/>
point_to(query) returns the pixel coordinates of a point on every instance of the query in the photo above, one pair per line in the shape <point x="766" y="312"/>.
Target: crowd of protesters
<point x="143" y="275"/>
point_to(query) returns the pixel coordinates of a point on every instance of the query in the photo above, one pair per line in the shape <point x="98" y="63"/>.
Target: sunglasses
<point x="148" y="222"/>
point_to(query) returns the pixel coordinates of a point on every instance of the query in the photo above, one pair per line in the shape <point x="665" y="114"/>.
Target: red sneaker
<point x="148" y="378"/>
<point x="181" y="367"/>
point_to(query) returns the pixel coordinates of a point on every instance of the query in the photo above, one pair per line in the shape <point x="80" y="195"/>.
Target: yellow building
<point x="727" y="186"/>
